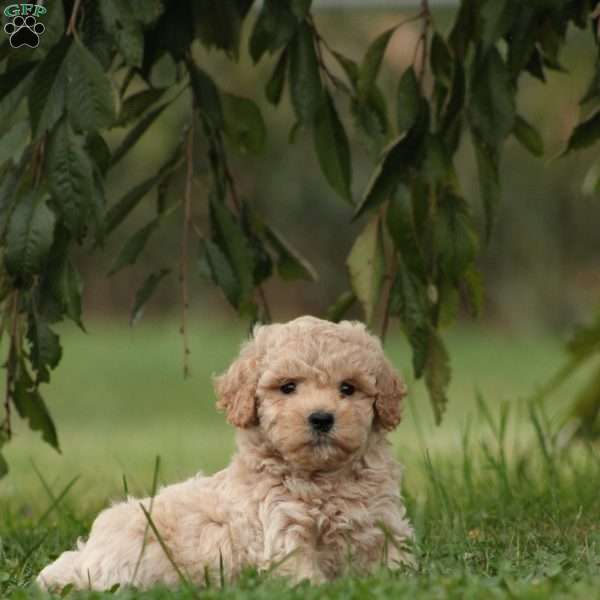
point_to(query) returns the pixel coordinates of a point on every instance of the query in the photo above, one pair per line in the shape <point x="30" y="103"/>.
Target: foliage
<point x="415" y="256"/>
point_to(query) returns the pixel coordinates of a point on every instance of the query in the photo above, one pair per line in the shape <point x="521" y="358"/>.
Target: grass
<point x="499" y="510"/>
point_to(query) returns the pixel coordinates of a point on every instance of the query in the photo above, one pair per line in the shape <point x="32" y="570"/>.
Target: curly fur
<point x="313" y="504"/>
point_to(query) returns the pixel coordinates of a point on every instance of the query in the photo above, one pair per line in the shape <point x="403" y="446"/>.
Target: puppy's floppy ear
<point x="236" y="388"/>
<point x="390" y="392"/>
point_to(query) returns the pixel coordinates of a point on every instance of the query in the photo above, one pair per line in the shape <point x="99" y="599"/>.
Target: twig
<point x="391" y="275"/>
<point x="71" y="29"/>
<point x="183" y="261"/>
<point x="11" y="365"/>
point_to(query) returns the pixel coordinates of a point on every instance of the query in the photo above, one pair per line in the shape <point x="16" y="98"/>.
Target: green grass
<point x="499" y="511"/>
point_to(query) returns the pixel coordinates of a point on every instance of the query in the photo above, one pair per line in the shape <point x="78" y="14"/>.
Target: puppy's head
<point x="314" y="389"/>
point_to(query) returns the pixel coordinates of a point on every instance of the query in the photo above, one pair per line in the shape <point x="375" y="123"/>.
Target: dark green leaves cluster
<point x="414" y="255"/>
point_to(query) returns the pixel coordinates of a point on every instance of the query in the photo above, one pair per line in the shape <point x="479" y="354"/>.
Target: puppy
<point x="312" y="490"/>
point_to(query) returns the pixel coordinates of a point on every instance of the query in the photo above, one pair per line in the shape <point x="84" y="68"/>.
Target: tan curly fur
<point x="314" y="503"/>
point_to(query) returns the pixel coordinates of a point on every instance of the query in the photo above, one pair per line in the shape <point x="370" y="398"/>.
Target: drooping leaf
<point x="454" y="232"/>
<point x="137" y="132"/>
<point x="45" y="350"/>
<point x="244" y="124"/>
<point x="29" y="236"/>
<point x="145" y="293"/>
<point x="206" y="95"/>
<point x="333" y="149"/>
<point x="402" y="230"/>
<point x="442" y="63"/>
<point x="489" y="180"/>
<point x="274" y="28"/>
<point x="369" y="68"/>
<point x="138" y="103"/>
<point x="70" y="177"/>
<point x="528" y="136"/>
<point x="437" y="375"/>
<point x="48" y="103"/>
<point x="276" y="83"/>
<point x="11" y="79"/>
<point x="215" y="265"/>
<point x="585" y="134"/>
<point x="409" y="303"/>
<point x="13" y="142"/>
<point x="464" y="29"/>
<point x="496" y="17"/>
<point x="300" y="8"/>
<point x="230" y="238"/>
<point x="291" y="264"/>
<point x="304" y="80"/>
<point x="71" y="286"/>
<point x="90" y="100"/>
<point x="399" y="157"/>
<point x="133" y="247"/>
<point x="119" y="211"/>
<point x="31" y="406"/>
<point x="408" y="100"/>
<point x="366" y="265"/>
<point x="122" y="22"/>
<point x="492" y="105"/>
<point x="341" y="306"/>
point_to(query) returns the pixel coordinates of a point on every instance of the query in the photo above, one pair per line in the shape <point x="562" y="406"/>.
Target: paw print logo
<point x="24" y="31"/>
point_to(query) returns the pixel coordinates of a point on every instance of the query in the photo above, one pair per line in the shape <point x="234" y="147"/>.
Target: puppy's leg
<point x="112" y="554"/>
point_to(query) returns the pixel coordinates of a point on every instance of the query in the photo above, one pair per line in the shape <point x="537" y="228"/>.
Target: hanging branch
<point x="71" y="29"/>
<point x="183" y="261"/>
<point x="11" y="367"/>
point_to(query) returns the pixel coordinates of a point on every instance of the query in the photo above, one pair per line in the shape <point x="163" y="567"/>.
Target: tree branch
<point x="71" y="29"/>
<point x="183" y="259"/>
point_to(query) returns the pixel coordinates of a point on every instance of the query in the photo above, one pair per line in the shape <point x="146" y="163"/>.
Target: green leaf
<point x="401" y="227"/>
<point x="276" y="83"/>
<point x="145" y="293"/>
<point x="441" y="60"/>
<point x="219" y="24"/>
<point x="489" y="181"/>
<point x="366" y="264"/>
<point x="585" y="134"/>
<point x="464" y="30"/>
<point x="437" y="375"/>
<point x="29" y="236"/>
<point x="11" y="79"/>
<point x="13" y="142"/>
<point x="291" y="264"/>
<point x="30" y="406"/>
<point x="230" y="238"/>
<point x="71" y="288"/>
<point x="99" y="151"/>
<point x="216" y="265"/>
<point x="274" y="28"/>
<point x="370" y="118"/>
<point x="369" y="68"/>
<point x="456" y="240"/>
<point x="90" y="100"/>
<point x="45" y="351"/>
<point x="528" y="136"/>
<point x="333" y="149"/>
<point x="497" y="17"/>
<point x="70" y="177"/>
<point x="136" y="133"/>
<point x="133" y="246"/>
<point x="48" y="103"/>
<point x="300" y="8"/>
<point x="123" y="207"/>
<point x="3" y="466"/>
<point x="244" y="124"/>
<point x="408" y="100"/>
<point x="341" y="306"/>
<point x="409" y="302"/>
<point x="137" y="104"/>
<point x="206" y="95"/>
<point x="492" y="105"/>
<point x="304" y="79"/>
<point x="126" y="29"/>
<point x="398" y="158"/>
<point x="474" y="290"/>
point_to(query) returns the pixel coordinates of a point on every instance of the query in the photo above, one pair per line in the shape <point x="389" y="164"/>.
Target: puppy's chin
<point x="320" y="453"/>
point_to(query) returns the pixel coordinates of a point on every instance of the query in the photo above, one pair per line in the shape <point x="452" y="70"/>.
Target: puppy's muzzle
<point x="321" y="421"/>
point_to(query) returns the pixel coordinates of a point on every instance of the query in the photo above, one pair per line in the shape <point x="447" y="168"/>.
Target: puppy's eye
<point x="288" y="388"/>
<point x="347" y="389"/>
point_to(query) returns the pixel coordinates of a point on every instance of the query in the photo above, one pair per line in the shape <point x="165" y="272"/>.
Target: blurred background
<point x="119" y="397"/>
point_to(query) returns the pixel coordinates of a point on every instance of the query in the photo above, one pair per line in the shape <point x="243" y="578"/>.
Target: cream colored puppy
<point x="312" y="488"/>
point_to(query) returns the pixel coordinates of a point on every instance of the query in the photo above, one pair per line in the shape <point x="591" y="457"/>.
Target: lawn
<point x="499" y="511"/>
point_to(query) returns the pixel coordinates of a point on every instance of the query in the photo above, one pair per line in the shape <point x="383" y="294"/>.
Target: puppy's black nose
<point x="321" y="421"/>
